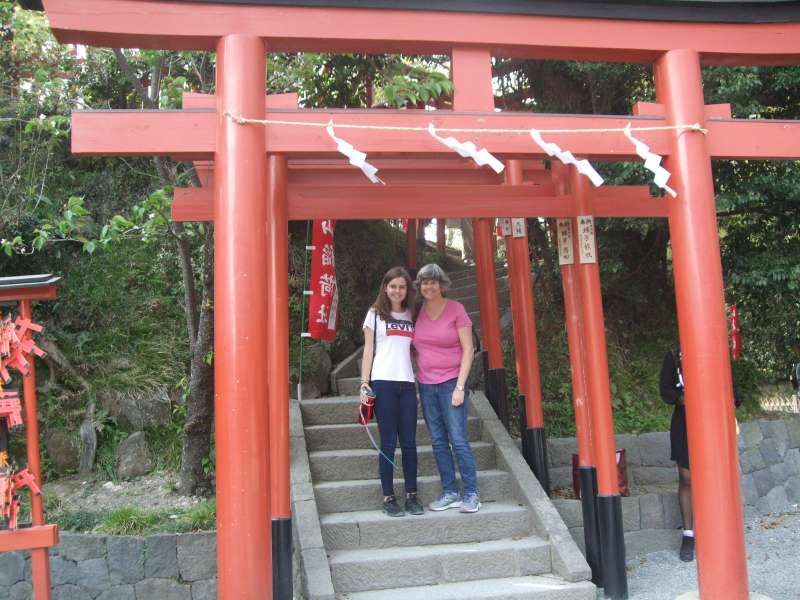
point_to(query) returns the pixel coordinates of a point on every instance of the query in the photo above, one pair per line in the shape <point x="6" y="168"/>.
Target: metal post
<point x="244" y="550"/>
<point x="716" y="496"/>
<point x="277" y="258"/>
<point x="40" y="560"/>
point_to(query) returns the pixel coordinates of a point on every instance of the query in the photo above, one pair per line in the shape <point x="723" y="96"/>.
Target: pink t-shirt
<point x="437" y="344"/>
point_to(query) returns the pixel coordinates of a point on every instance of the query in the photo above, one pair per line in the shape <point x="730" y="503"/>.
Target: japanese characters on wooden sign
<point x="566" y="255"/>
<point x="587" y="248"/>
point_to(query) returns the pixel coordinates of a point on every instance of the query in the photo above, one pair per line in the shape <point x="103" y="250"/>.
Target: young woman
<point x="386" y="366"/>
<point x="443" y="341"/>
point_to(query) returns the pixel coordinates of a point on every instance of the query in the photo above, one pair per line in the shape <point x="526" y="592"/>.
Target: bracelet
<point x="459" y="387"/>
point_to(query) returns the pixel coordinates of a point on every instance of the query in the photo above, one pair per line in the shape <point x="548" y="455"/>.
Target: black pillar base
<point x="591" y="527"/>
<point x="534" y="450"/>
<point x="496" y="390"/>
<point x="282" y="558"/>
<point x="486" y="384"/>
<point x="612" y="547"/>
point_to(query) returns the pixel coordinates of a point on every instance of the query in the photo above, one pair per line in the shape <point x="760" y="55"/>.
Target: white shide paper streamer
<point x="357" y="158"/>
<point x="469" y="150"/>
<point x="652" y="162"/>
<point x="566" y="157"/>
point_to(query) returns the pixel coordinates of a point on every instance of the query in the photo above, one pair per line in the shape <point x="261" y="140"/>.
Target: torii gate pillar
<point x="244" y="548"/>
<point x="716" y="496"/>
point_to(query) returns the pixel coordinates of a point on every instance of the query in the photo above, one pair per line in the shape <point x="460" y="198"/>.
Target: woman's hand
<point x="458" y="397"/>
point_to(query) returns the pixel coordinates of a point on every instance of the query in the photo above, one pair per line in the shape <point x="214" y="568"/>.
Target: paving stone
<point x="125" y="559"/>
<point x="71" y="592"/>
<point x="630" y="443"/>
<point x="631" y="521"/>
<point x="161" y="556"/>
<point x="793" y="431"/>
<point x="21" y="591"/>
<point x="769" y="450"/>
<point x="654" y="449"/>
<point x="79" y="546"/>
<point x="62" y="571"/>
<point x="12" y="568"/>
<point x="652" y="511"/>
<point x="560" y="451"/>
<point x="672" y="511"/>
<point x="763" y="481"/>
<point x="93" y="575"/>
<point x="570" y="510"/>
<point x="775" y="501"/>
<point x="780" y="473"/>
<point x="118" y="592"/>
<point x="792" y="461"/>
<point x="749" y="491"/>
<point x="751" y="460"/>
<point x="197" y="556"/>
<point x="750" y="432"/>
<point x="204" y="590"/>
<point x="792" y="489"/>
<point x="163" y="589"/>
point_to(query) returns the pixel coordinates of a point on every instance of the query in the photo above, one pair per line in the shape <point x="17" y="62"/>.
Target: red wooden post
<point x="441" y="242"/>
<point x="411" y="245"/>
<point x="244" y="552"/>
<point x="277" y="258"/>
<point x="609" y="504"/>
<point x="534" y="442"/>
<point x="40" y="560"/>
<point x="716" y="497"/>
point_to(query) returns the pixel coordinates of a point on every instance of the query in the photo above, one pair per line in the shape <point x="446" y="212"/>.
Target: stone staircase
<point x="516" y="547"/>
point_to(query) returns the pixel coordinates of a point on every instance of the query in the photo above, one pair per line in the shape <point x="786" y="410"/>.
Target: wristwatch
<point x="459" y="387"/>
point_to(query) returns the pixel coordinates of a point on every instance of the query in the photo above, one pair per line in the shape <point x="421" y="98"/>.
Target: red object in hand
<point x="366" y="407"/>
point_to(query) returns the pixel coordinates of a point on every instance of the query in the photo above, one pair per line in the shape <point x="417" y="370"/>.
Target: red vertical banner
<point x="322" y="309"/>
<point x="736" y="335"/>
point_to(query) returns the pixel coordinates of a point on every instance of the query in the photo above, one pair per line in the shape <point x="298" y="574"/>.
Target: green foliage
<point x="128" y="521"/>
<point x="202" y="516"/>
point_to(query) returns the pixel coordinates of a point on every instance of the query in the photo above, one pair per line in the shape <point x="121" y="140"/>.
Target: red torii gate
<point x="251" y="165"/>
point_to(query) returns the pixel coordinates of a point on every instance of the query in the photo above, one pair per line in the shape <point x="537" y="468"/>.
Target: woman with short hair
<point x="443" y="342"/>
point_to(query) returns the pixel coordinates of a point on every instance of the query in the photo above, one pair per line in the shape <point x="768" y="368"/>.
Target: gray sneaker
<point x="470" y="504"/>
<point x="446" y="501"/>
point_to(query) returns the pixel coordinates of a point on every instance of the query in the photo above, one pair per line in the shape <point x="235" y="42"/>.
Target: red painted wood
<point x="654" y="109"/>
<point x="244" y="547"/>
<point x="173" y="25"/>
<point x="40" y="536"/>
<point x="716" y="496"/>
<point x="28" y="293"/>
<point x="194" y="100"/>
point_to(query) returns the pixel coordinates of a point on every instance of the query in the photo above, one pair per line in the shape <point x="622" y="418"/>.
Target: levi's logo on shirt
<point x="400" y="327"/>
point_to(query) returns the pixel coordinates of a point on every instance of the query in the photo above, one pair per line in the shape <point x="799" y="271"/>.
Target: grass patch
<point x="201" y="517"/>
<point x="128" y="521"/>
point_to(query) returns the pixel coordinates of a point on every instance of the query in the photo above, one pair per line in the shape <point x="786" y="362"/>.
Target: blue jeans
<point x="448" y="427"/>
<point x="396" y="412"/>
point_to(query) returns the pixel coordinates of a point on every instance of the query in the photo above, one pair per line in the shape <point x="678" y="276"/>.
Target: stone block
<point x="163" y="589"/>
<point x="161" y="556"/>
<point x="779" y="433"/>
<point x="749" y="491"/>
<point x="750" y="432"/>
<point x="792" y="489"/>
<point x="62" y="571"/>
<point x="763" y="481"/>
<point x="125" y="559"/>
<point x="751" y="460"/>
<point x="630" y="443"/>
<point x="570" y="510"/>
<point x="645" y="541"/>
<point x="118" y="592"/>
<point x="318" y="583"/>
<point x="654" y="475"/>
<point x="21" y="591"/>
<point x="775" y="501"/>
<point x="204" y="590"/>
<point x="770" y="452"/>
<point x="561" y="477"/>
<point x="792" y="461"/>
<point x="780" y="473"/>
<point x="631" y="521"/>
<point x="72" y="592"/>
<point x="133" y="456"/>
<point x="306" y="524"/>
<point x="77" y="546"/>
<point x="672" y="511"/>
<point x="197" y="556"/>
<point x="654" y="449"/>
<point x="560" y="451"/>
<point x="93" y="576"/>
<point x="651" y="511"/>
<point x="12" y="568"/>
<point x="793" y="431"/>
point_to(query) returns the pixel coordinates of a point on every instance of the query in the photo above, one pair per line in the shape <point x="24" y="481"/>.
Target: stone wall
<point x="84" y="567"/>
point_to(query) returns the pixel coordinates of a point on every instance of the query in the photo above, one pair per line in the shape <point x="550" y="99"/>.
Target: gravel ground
<point x="773" y="551"/>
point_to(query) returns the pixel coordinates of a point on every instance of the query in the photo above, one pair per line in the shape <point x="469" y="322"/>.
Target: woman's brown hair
<point x="383" y="305"/>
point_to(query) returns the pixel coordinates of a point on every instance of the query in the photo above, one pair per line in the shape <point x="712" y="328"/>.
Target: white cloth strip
<point x="305" y="334"/>
<point x="311" y="248"/>
<point x="565" y="156"/>
<point x="357" y="158"/>
<point x="469" y="150"/>
<point x="652" y="162"/>
<point x="308" y="292"/>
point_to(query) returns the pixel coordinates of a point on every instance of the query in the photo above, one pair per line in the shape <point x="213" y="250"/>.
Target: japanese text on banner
<point x="324" y="303"/>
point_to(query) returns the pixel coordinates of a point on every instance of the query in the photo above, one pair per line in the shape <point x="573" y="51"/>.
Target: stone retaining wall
<point x="84" y="567"/>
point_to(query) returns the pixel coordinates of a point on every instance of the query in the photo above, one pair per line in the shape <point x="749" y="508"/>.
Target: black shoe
<point x="687" y="549"/>
<point x="413" y="507"/>
<point x="391" y="508"/>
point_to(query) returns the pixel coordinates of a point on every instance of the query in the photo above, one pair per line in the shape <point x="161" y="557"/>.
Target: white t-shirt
<point x="393" y="346"/>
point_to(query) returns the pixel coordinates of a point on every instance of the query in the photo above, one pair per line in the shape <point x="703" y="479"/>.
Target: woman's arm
<point x="366" y="359"/>
<point x="467" y="351"/>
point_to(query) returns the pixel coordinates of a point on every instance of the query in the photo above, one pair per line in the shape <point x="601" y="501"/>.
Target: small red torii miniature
<point x="11" y="409"/>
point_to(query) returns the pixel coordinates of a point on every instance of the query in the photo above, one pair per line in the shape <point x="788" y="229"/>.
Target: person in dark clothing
<point x="671" y="387"/>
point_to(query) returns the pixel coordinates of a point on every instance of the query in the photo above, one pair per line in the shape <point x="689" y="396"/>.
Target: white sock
<point x="688" y="533"/>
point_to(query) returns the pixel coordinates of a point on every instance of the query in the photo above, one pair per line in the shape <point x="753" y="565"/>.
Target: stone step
<point x="365" y="494"/>
<point x="329" y="411"/>
<point x="472" y="303"/>
<point x="467" y="289"/>
<point x="380" y="568"/>
<point x="541" y="587"/>
<point x="374" y="529"/>
<point x="339" y="465"/>
<point x="349" y="386"/>
<point x="470" y="273"/>
<point x="352" y="435"/>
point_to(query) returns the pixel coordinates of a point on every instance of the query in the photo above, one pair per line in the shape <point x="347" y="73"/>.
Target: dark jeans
<point x="396" y="411"/>
<point x="448" y="427"/>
